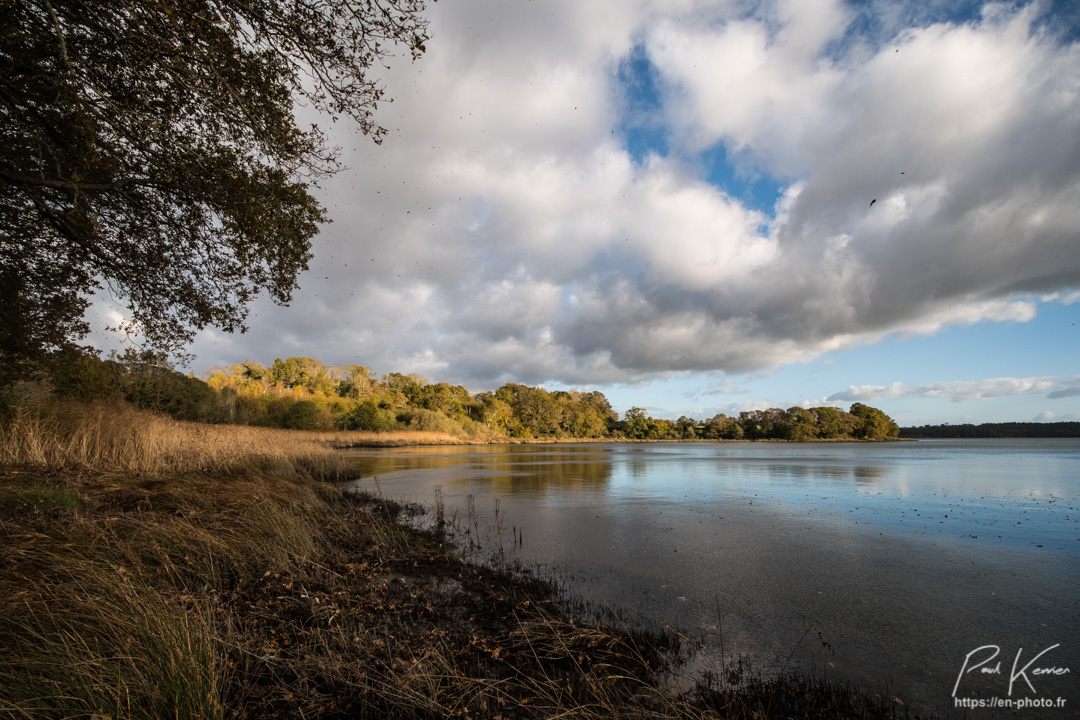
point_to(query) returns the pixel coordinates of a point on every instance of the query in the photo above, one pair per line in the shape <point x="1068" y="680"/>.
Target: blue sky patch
<point x="642" y="126"/>
<point x="645" y="132"/>
<point x="754" y="189"/>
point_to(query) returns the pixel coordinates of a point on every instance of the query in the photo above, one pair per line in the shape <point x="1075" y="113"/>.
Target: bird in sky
<point x="872" y="202"/>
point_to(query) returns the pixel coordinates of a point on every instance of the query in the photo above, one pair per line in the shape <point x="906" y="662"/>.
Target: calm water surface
<point x="880" y="564"/>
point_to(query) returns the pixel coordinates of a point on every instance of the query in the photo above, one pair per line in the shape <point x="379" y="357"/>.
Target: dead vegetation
<point x="150" y="568"/>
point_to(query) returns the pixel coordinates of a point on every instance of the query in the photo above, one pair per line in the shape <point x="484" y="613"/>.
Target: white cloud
<point x="502" y="232"/>
<point x="966" y="390"/>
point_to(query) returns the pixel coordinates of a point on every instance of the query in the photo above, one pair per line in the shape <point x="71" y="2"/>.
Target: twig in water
<point x="792" y="653"/>
<point x="440" y="508"/>
<point x="474" y="521"/>
<point x="498" y="526"/>
<point x="720" y="627"/>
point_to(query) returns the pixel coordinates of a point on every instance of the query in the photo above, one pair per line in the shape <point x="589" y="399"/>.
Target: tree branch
<point x="59" y="35"/>
<point x="20" y="179"/>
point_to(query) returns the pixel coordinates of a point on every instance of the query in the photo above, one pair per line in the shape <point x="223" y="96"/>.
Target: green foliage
<point x="797" y="424"/>
<point x="524" y="411"/>
<point x="152" y="148"/>
<point x="534" y="408"/>
<point x="446" y="399"/>
<point x="722" y="427"/>
<point x="635" y="425"/>
<point x="873" y="424"/>
<point x="401" y="391"/>
<point x="370" y="417"/>
<point x="38" y="500"/>
<point x="354" y="381"/>
<point x="761" y="424"/>
<point x="995" y="430"/>
<point x="496" y="412"/>
<point x="429" y="421"/>
<point x="833" y="423"/>
<point x="81" y="375"/>
<point x="686" y="428"/>
<point x="307" y="415"/>
<point x="301" y="393"/>
<point x="144" y="378"/>
<point x="302" y="372"/>
<point x="148" y="381"/>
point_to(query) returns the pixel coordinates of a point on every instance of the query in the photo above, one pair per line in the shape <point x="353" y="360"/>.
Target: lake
<point x="912" y="568"/>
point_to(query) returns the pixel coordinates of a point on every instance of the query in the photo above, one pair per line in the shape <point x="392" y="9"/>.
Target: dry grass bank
<point x="150" y="568"/>
<point x="155" y="569"/>
<point x="117" y="438"/>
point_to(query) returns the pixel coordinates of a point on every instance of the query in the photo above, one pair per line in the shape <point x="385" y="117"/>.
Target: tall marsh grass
<point x="119" y="531"/>
<point x="117" y="438"/>
<point x="151" y="568"/>
<point x="104" y="647"/>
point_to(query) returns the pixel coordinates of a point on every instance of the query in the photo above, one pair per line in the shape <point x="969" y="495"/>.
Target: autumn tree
<point x="497" y="412"/>
<point x="686" y="428"/>
<point x="151" y="148"/>
<point x="722" y="427"/>
<point x="399" y="391"/>
<point x="873" y="423"/>
<point x="798" y="424"/>
<point x="834" y="423"/>
<point x="760" y="424"/>
<point x="533" y="408"/>
<point x="354" y="381"/>
<point x="250" y="375"/>
<point x="450" y="400"/>
<point x="604" y="416"/>
<point x="302" y="372"/>
<point x="635" y="423"/>
<point x="584" y="414"/>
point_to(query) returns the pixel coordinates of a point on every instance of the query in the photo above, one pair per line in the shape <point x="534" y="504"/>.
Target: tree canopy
<point x="303" y="393"/>
<point x="1062" y="429"/>
<point x="150" y="147"/>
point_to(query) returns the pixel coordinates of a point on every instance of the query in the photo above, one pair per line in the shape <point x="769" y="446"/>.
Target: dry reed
<point x="115" y="437"/>
<point x="152" y="568"/>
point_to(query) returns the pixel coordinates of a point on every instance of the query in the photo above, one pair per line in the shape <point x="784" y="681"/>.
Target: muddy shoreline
<point x="259" y="597"/>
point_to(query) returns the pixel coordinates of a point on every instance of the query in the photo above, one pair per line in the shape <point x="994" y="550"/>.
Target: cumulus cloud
<point x="966" y="390"/>
<point x="504" y="231"/>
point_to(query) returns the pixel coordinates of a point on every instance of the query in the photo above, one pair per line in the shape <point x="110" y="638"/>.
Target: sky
<point x="700" y="206"/>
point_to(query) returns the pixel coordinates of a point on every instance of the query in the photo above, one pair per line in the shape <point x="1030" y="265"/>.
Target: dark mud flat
<point x="260" y="596"/>
<point x="389" y="623"/>
<point x="516" y="647"/>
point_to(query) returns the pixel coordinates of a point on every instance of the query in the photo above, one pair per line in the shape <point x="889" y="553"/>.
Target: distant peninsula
<point x="994" y="430"/>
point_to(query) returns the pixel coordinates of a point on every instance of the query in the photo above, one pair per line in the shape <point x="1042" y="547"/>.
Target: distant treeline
<point x="995" y="430"/>
<point x="302" y="393"/>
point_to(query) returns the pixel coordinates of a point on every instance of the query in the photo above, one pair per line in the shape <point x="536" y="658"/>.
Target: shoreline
<point x="401" y="439"/>
<point x="327" y="604"/>
<point x="153" y="568"/>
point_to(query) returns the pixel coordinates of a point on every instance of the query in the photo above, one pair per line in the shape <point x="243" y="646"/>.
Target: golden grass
<point x="96" y="642"/>
<point x="114" y="437"/>
<point x="117" y="438"/>
<point x="353" y="438"/>
<point x="157" y="569"/>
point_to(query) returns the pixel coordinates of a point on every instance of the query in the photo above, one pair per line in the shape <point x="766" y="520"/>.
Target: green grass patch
<point x="37" y="499"/>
